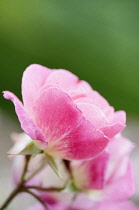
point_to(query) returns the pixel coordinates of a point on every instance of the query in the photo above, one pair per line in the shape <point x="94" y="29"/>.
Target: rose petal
<point x="70" y="135"/>
<point x="112" y="130"/>
<point x="81" y="90"/>
<point x="93" y="114"/>
<point x="98" y="100"/>
<point x="119" y="149"/>
<point x="64" y="79"/>
<point x="90" y="174"/>
<point x="119" y="116"/>
<point x="34" y="78"/>
<point x="124" y="186"/>
<point x="93" y="97"/>
<point x="116" y="124"/>
<point x="26" y="123"/>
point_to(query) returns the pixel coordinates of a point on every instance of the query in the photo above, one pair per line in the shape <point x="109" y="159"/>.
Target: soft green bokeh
<point x="97" y="40"/>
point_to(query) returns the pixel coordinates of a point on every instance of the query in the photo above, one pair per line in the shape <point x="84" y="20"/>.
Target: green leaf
<point x="52" y="163"/>
<point x="26" y="147"/>
<point x="70" y="187"/>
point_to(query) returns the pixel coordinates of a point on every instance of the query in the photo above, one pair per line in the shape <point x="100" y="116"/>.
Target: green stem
<point x="22" y="179"/>
<point x="51" y="189"/>
<point x="11" y="196"/>
<point x="19" y="187"/>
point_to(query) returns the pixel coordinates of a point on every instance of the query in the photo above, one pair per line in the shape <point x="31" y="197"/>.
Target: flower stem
<point x="11" y="196"/>
<point x="22" y="179"/>
<point x="18" y="189"/>
<point x="27" y="189"/>
<point x="50" y="189"/>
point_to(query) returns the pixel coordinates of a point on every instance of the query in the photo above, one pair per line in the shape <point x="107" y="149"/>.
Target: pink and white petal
<point x="105" y="205"/>
<point x="94" y="114"/>
<point x="122" y="188"/>
<point x="119" y="116"/>
<point x="109" y="112"/>
<point x="116" y="124"/>
<point x="80" y="91"/>
<point x="119" y="149"/>
<point x="90" y="174"/>
<point x="98" y="100"/>
<point x="30" y="128"/>
<point x="34" y="77"/>
<point x="70" y="135"/>
<point x="85" y="86"/>
<point x="64" y="79"/>
<point x="93" y="98"/>
<point x="112" y="130"/>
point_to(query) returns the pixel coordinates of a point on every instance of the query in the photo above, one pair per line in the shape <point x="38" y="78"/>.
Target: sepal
<point x="26" y="147"/>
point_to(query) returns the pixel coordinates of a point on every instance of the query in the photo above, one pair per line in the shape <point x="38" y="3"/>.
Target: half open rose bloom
<point x="69" y="118"/>
<point x="83" y="203"/>
<point x="110" y="175"/>
<point x="99" y="206"/>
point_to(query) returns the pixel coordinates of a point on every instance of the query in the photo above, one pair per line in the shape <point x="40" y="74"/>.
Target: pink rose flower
<point x="98" y="206"/>
<point x="69" y="118"/>
<point x="110" y="175"/>
<point x="82" y="202"/>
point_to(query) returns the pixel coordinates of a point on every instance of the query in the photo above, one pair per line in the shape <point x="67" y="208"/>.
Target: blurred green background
<point x="97" y="40"/>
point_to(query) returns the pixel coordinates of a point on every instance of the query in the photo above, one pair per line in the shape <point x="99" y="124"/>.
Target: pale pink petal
<point x="108" y="121"/>
<point x="69" y="134"/>
<point x="112" y="130"/>
<point x="108" y="124"/>
<point x="98" y="100"/>
<point x="26" y="123"/>
<point x="81" y="90"/>
<point x="90" y="174"/>
<point x="116" y="124"/>
<point x="119" y="149"/>
<point x="111" y="172"/>
<point x="119" y="116"/>
<point x="121" y="188"/>
<point x="94" y="114"/>
<point x="124" y="205"/>
<point x="85" y="86"/>
<point x="64" y="79"/>
<point x="109" y="112"/>
<point x="34" y="77"/>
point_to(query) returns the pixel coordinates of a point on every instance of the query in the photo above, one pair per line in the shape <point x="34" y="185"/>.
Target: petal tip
<point x="7" y="95"/>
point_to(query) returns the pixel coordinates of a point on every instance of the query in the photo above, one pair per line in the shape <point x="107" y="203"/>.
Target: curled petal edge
<point x="27" y="124"/>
